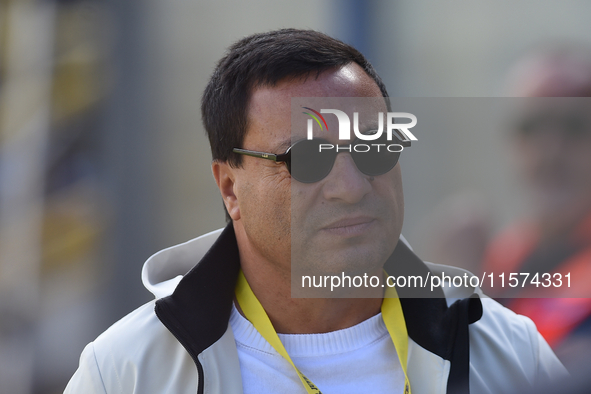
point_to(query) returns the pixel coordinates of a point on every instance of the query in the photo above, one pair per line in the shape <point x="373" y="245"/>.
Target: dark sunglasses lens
<point x="376" y="157"/>
<point x="308" y="164"/>
<point x="569" y="125"/>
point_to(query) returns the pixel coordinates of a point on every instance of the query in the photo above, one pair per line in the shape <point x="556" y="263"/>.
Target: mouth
<point x="350" y="227"/>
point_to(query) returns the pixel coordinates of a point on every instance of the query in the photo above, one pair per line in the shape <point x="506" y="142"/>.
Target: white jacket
<point x="182" y="343"/>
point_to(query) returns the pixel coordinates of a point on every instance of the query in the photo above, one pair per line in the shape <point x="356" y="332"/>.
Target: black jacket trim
<point x="430" y="323"/>
<point x="198" y="311"/>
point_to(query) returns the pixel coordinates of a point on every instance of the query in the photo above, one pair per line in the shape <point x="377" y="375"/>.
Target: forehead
<point x="269" y="112"/>
<point x="552" y="77"/>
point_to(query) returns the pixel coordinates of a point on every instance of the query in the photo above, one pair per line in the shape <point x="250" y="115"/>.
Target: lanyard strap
<point x="394" y="320"/>
<point x="391" y="313"/>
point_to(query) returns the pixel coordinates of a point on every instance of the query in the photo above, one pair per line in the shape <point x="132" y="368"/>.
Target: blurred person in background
<point x="551" y="140"/>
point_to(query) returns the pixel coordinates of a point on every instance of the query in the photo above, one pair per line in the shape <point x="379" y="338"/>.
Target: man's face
<point x="347" y="221"/>
<point x="553" y="144"/>
<point x="554" y="154"/>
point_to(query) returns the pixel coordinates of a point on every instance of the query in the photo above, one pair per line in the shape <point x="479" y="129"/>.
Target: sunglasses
<point x="313" y="162"/>
<point x="570" y="125"/>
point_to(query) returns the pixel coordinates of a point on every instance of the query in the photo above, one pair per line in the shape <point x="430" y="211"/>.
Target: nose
<point x="345" y="182"/>
<point x="549" y="147"/>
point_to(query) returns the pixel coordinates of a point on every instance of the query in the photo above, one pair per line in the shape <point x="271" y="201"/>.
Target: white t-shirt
<point x="358" y="359"/>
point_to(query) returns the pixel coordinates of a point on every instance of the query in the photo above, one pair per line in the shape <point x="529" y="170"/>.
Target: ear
<point x="225" y="177"/>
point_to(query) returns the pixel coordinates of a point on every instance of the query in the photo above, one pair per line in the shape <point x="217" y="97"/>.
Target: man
<point x="552" y="144"/>
<point x="224" y="320"/>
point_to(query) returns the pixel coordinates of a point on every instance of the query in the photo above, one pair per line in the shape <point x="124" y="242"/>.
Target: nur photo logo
<point x="399" y="131"/>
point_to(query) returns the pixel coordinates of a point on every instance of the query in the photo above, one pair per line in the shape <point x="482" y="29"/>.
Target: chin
<point x="351" y="260"/>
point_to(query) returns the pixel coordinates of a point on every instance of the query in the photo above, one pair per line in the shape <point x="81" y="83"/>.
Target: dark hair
<point x="264" y="60"/>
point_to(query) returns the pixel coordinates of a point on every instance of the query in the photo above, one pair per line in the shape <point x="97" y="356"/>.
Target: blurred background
<point x="104" y="160"/>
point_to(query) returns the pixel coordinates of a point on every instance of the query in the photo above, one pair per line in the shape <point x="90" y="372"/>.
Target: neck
<point x="306" y="315"/>
<point x="271" y="284"/>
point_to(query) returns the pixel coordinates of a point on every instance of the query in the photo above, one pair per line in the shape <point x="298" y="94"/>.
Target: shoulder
<point x="505" y="344"/>
<point x="503" y="327"/>
<point x="136" y="354"/>
<point x="506" y="350"/>
<point x="133" y="336"/>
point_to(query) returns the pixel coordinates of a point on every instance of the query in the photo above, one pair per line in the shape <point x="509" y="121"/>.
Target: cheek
<point x="305" y="207"/>
<point x="393" y="189"/>
<point x="301" y="199"/>
<point x="390" y="201"/>
<point x="265" y="209"/>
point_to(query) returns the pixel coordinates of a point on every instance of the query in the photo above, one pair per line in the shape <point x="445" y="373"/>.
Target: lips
<point x="350" y="226"/>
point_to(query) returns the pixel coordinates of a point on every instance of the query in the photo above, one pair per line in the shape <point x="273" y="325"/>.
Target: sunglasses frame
<point x="279" y="158"/>
<point x="286" y="157"/>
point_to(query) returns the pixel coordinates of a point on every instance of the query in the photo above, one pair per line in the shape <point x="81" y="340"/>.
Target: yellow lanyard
<point x="391" y="313"/>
